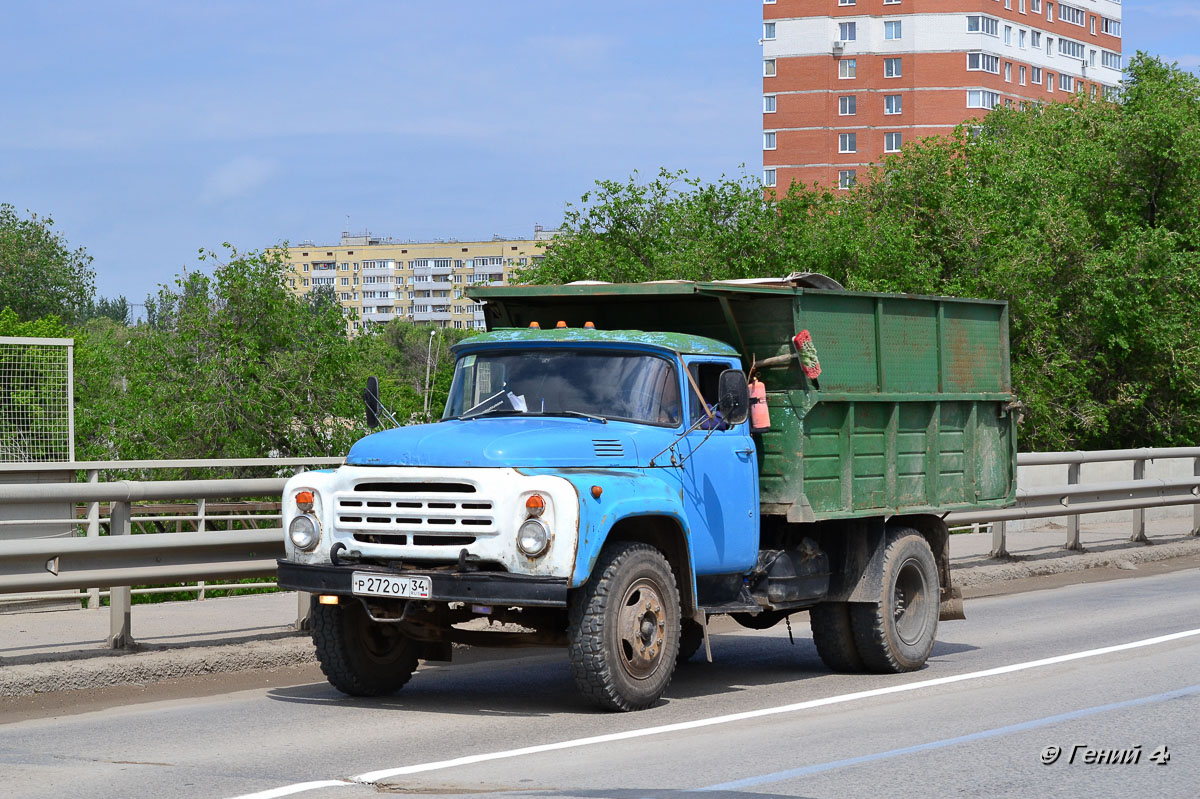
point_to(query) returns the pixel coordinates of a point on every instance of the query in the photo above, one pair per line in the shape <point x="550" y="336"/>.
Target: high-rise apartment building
<point x="846" y="82"/>
<point x="423" y="281"/>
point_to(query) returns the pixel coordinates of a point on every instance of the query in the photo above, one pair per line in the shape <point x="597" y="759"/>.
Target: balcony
<point x="378" y="317"/>
<point x="431" y="316"/>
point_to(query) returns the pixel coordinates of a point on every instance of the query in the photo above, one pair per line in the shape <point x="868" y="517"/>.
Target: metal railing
<point x="1074" y="499"/>
<point x="89" y="561"/>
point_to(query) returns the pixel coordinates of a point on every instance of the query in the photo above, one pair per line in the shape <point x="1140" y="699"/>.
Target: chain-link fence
<point x="37" y="414"/>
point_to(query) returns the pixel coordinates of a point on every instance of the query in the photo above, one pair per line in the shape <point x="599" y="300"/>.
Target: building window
<point x="847" y="31"/>
<point x="1008" y="72"/>
<point x="978" y="98"/>
<point x="768" y="30"/>
<point x="768" y="67"/>
<point x="1111" y="60"/>
<point x="1035" y="39"/>
<point x="847" y="142"/>
<point x="345" y="281"/>
<point x="304" y="282"/>
<point x="846" y="2"/>
<point x="891" y="2"/>
<point x="1036" y="75"/>
<point x="1050" y="45"/>
<point x="1050" y="82"/>
<point x="1021" y="75"/>
<point x="847" y="68"/>
<point x="1066" y="83"/>
<point x="769" y="140"/>
<point x="768" y="2"/>
<point x="1008" y="35"/>
<point x="1049" y="12"/>
<point x="1071" y="14"/>
<point x="1071" y="49"/>
<point x="768" y="177"/>
<point x="768" y="104"/>
<point x="983" y="62"/>
<point x="847" y="178"/>
<point x="1091" y="58"/>
<point x="892" y="142"/>
<point x="981" y="24"/>
<point x="848" y="106"/>
<point x="1021" y="39"/>
<point x="1092" y="24"/>
<point x="1021" y="6"/>
<point x="891" y="67"/>
<point x="1111" y="26"/>
<point x="891" y="29"/>
<point x="1035" y="6"/>
<point x="893" y="103"/>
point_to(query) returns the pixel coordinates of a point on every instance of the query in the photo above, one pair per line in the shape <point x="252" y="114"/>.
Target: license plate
<point x="367" y="584"/>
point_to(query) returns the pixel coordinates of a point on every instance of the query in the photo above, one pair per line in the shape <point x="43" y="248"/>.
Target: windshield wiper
<point x="578" y="414"/>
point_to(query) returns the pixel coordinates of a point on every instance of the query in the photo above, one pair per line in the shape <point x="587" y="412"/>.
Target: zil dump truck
<point x="616" y="464"/>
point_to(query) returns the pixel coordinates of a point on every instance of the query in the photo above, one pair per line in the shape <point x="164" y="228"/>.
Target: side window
<point x="706" y="376"/>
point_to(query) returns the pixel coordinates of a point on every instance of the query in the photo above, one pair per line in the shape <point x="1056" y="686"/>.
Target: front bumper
<point x="480" y="588"/>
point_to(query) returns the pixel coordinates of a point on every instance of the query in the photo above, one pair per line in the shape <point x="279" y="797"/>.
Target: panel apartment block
<point x="382" y="279"/>
<point x="847" y="82"/>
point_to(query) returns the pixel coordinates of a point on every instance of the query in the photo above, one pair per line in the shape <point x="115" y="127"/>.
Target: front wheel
<point x="359" y="656"/>
<point x="896" y="634"/>
<point x="623" y="628"/>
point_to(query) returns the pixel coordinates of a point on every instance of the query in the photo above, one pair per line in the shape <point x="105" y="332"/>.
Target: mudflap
<point x="951" y="608"/>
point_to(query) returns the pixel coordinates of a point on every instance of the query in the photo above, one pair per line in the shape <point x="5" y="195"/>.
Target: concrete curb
<point x="140" y="667"/>
<point x="1124" y="558"/>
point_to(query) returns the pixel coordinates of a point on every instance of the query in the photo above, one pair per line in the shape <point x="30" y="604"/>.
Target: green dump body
<point x="911" y="412"/>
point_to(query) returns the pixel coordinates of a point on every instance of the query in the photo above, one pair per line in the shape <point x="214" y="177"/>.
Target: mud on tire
<point x="623" y="629"/>
<point x="359" y="656"/>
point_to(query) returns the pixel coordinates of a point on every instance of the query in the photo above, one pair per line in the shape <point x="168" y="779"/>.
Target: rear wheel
<point x="623" y="628"/>
<point x="834" y="637"/>
<point x="896" y="633"/>
<point x="359" y="656"/>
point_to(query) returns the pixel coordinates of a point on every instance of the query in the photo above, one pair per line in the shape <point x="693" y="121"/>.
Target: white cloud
<point x="237" y="178"/>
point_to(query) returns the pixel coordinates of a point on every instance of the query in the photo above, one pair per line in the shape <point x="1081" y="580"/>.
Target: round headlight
<point x="533" y="538"/>
<point x="303" y="532"/>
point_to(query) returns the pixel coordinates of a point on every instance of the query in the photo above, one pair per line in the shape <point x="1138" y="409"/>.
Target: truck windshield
<point x="555" y="382"/>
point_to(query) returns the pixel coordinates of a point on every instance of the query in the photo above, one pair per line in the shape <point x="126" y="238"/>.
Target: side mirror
<point x="371" y="398"/>
<point x="733" y="396"/>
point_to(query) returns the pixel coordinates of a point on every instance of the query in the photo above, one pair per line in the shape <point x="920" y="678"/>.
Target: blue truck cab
<point x="603" y="490"/>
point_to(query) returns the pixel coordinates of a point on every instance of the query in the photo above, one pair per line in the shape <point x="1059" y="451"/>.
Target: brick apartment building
<point x="845" y="82"/>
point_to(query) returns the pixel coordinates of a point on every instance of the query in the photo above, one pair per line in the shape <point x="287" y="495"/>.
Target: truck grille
<point x="608" y="447"/>
<point x="417" y="514"/>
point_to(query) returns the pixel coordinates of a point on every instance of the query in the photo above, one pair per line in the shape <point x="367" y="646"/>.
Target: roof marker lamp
<point x="561" y="324"/>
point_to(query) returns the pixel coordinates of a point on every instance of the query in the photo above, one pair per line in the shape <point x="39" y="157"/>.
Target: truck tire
<point x="834" y="636"/>
<point x="691" y="638"/>
<point x="623" y="628"/>
<point x="360" y="657"/>
<point x="896" y="634"/>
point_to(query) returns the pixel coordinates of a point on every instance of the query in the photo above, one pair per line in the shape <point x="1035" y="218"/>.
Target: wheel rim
<point x="381" y="643"/>
<point x="910" y="602"/>
<point x="641" y="629"/>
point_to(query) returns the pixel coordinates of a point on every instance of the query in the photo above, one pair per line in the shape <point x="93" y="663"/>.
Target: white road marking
<point x="298" y="787"/>
<point x="374" y="776"/>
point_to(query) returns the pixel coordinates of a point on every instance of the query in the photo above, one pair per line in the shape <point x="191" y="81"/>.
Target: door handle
<point x="747" y="451"/>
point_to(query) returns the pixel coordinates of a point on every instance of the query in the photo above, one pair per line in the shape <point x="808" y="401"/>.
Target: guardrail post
<point x="1073" y="520"/>
<point x="1196" y="507"/>
<point x="303" y="608"/>
<point x="201" y="507"/>
<point x="1139" y="515"/>
<point x="93" y="531"/>
<point x="999" y="550"/>
<point x="119" y="597"/>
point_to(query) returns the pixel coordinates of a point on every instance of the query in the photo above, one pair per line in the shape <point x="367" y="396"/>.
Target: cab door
<point x="719" y="477"/>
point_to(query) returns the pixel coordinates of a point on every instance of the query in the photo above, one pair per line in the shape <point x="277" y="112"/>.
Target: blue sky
<point x="149" y="130"/>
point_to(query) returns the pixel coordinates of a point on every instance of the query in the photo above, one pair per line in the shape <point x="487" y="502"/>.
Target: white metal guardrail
<point x="121" y="559"/>
<point x="1074" y="499"/>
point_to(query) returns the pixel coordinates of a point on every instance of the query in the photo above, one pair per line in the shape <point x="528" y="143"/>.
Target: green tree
<point x="39" y="274"/>
<point x="1084" y="216"/>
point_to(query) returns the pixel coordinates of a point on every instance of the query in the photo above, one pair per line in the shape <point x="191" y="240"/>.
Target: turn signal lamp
<point x="596" y="492"/>
<point x="535" y="505"/>
<point x="304" y="501"/>
<point x="561" y="323"/>
<point x="535" y="325"/>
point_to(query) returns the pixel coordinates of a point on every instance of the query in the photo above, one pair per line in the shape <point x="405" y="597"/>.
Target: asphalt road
<point x="1106" y="666"/>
